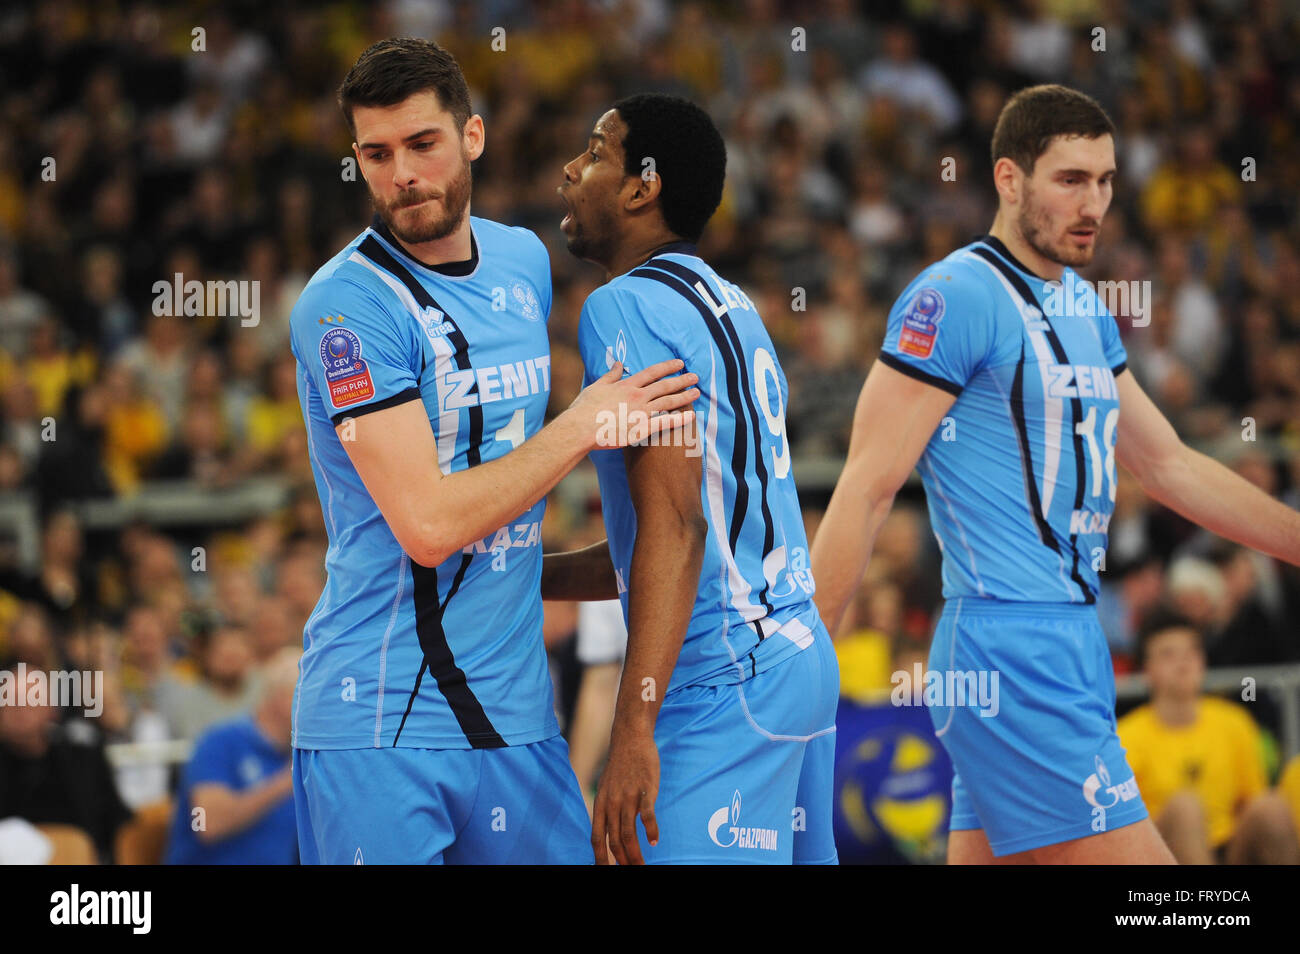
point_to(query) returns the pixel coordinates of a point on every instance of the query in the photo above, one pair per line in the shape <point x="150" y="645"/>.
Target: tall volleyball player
<point x="1020" y="492"/>
<point x="723" y="730"/>
<point x="423" y="722"/>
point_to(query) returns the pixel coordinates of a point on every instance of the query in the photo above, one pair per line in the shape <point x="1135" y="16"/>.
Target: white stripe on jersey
<point x="934" y="480"/>
<point x="736" y="582"/>
<point x="1052" y="406"/>
<point x="383" y="649"/>
<point x="794" y="630"/>
<point x="334" y="535"/>
<point x="448" y="420"/>
<point x="1060" y="557"/>
<point x="324" y="474"/>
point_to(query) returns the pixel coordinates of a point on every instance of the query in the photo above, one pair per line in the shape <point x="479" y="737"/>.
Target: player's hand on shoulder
<point x="615" y="411"/>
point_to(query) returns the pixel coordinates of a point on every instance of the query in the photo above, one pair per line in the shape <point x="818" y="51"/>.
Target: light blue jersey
<point x="754" y="605"/>
<point x="1020" y="477"/>
<point x="397" y="654"/>
<point x="746" y="731"/>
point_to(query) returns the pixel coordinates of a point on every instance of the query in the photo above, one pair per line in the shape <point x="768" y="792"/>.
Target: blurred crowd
<point x="140" y="141"/>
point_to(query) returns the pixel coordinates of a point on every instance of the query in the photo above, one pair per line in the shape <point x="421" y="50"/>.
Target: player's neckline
<point x="1000" y="247"/>
<point x="450" y="269"/>
<point x="677" y="246"/>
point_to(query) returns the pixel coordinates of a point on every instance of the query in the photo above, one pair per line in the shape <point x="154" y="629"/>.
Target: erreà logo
<point x="761" y="838"/>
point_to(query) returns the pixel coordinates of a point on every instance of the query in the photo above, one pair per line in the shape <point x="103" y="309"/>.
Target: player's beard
<point x="455" y="200"/>
<point x="594" y="243"/>
<point x="1035" y="227"/>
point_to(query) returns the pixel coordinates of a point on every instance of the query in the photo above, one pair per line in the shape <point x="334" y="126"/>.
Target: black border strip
<point x="902" y="367"/>
<point x="401" y="397"/>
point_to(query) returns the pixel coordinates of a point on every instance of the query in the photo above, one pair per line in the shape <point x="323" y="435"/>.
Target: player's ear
<point x="1007" y="178"/>
<point x="473" y="136"/>
<point x="646" y="190"/>
<point x="356" y="151"/>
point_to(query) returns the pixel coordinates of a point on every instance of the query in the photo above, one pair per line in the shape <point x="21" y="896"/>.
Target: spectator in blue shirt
<point x="235" y="802"/>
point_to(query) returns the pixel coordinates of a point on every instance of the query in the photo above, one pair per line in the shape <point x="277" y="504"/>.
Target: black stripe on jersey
<point x="943" y="384"/>
<point x="1022" y="288"/>
<point x="438" y="659"/>
<point x="1119" y="368"/>
<point x="373" y="250"/>
<point x="1027" y="454"/>
<point x="401" y="397"/>
<point x="732" y="374"/>
<point x="760" y="460"/>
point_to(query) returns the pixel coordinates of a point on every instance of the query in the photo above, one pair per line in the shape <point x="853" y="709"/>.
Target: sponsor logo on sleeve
<point x="921" y="323"/>
<point x="346" y="373"/>
<point x="617" y="352"/>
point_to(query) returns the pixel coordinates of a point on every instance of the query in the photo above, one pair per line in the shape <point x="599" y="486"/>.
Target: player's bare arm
<point x="586" y="574"/>
<point x="433" y="515"/>
<point x="894" y="420"/>
<point x="1196" y="486"/>
<point x="662" y="584"/>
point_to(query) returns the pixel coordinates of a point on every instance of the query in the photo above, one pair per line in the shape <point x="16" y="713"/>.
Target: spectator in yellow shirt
<point x="274" y="414"/>
<point x="1288" y="787"/>
<point x="1187" y="193"/>
<point x="135" y="428"/>
<point x="52" y="369"/>
<point x="1198" y="759"/>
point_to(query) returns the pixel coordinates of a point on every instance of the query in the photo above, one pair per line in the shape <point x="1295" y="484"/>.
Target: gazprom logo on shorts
<point x="1099" y="781"/>
<point x="763" y="839"/>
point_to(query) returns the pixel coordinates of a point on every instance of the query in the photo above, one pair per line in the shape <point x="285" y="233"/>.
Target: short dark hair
<point x="392" y="70"/>
<point x="689" y="156"/>
<point x="1036" y="115"/>
<point x="1161" y="620"/>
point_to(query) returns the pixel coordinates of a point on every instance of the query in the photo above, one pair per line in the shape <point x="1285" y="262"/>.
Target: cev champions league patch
<point x="346" y="373"/>
<point x="921" y="323"/>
